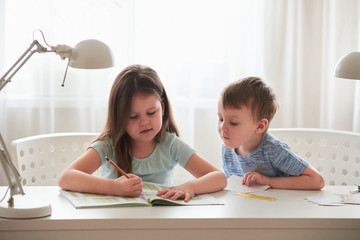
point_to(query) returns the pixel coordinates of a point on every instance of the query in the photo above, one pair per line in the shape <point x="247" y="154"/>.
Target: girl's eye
<point x="233" y="124"/>
<point x="133" y="117"/>
<point x="151" y="113"/>
<point x="220" y="120"/>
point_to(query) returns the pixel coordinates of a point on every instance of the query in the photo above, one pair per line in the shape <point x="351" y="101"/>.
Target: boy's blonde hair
<point x="253" y="93"/>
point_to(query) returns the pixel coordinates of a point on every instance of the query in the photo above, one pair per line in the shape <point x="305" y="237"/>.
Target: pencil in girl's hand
<point x="117" y="167"/>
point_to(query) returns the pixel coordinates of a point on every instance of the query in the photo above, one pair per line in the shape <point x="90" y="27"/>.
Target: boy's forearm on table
<point x="295" y="182"/>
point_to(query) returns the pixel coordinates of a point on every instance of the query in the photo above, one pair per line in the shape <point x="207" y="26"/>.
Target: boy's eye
<point x="233" y="123"/>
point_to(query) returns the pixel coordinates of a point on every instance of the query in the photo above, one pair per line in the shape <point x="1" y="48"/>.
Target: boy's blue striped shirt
<point x="271" y="158"/>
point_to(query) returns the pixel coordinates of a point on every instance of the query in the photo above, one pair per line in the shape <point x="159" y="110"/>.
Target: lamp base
<point x="25" y="207"/>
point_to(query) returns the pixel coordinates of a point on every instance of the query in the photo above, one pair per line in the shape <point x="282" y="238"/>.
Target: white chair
<point x="41" y="159"/>
<point x="335" y="154"/>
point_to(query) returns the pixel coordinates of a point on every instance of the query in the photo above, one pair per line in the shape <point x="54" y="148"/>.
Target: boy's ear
<point x="262" y="125"/>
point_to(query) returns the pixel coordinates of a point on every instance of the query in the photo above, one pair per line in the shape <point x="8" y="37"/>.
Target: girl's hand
<point x="130" y="187"/>
<point x="183" y="191"/>
<point x="254" y="177"/>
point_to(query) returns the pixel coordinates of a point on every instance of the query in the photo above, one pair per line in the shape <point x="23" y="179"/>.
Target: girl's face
<point x="145" y="119"/>
<point x="237" y="127"/>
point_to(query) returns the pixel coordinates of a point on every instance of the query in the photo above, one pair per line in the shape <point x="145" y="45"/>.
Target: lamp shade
<point x="348" y="66"/>
<point x="91" y="54"/>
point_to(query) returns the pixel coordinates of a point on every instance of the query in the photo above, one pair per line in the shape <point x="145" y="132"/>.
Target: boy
<point x="245" y="110"/>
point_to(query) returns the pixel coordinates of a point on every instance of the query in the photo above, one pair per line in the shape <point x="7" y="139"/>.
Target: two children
<point x="141" y="137"/>
<point x="245" y="110"/>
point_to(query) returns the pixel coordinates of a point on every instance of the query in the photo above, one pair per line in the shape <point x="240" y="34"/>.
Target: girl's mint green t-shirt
<point x="157" y="168"/>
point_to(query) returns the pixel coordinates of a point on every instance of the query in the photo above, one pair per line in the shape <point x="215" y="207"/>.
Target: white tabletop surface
<point x="238" y="215"/>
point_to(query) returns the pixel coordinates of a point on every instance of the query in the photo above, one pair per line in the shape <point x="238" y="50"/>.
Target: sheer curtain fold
<point x="303" y="42"/>
<point x="340" y="36"/>
<point x="197" y="47"/>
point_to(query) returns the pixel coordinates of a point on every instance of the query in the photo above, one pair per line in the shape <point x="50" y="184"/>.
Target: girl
<point x="140" y="136"/>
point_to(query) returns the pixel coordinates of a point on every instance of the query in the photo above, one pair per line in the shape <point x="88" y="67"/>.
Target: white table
<point x="290" y="217"/>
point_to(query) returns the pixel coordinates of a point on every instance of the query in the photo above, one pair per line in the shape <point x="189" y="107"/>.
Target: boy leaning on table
<point x="245" y="110"/>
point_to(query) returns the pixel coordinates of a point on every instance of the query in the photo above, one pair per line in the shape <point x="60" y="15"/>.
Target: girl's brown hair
<point x="133" y="79"/>
<point x="253" y="93"/>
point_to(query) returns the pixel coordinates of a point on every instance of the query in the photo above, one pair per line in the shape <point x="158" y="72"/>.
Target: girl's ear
<point x="262" y="126"/>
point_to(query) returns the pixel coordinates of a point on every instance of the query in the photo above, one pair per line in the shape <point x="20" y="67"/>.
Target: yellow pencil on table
<point x="255" y="196"/>
<point x="117" y="167"/>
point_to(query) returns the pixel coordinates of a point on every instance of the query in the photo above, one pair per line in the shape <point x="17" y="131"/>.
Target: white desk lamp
<point x="88" y="54"/>
<point x="349" y="67"/>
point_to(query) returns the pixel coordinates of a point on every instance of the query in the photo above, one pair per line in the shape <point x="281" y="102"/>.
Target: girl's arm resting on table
<point x="208" y="179"/>
<point x="310" y="179"/>
<point x="77" y="177"/>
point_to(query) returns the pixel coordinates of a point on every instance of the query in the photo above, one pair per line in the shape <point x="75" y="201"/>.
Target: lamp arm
<point x="11" y="173"/>
<point x="21" y="61"/>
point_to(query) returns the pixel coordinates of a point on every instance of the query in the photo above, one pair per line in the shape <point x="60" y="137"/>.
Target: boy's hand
<point x="182" y="191"/>
<point x="130" y="187"/>
<point x="254" y="177"/>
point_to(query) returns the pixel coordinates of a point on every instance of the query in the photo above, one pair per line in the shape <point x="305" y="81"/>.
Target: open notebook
<point x="147" y="198"/>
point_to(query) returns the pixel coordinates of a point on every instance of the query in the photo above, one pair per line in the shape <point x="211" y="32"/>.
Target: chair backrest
<point x="335" y="154"/>
<point x="41" y="159"/>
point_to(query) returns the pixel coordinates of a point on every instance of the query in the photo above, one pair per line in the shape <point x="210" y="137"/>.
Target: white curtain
<point x="303" y="41"/>
<point x="197" y="47"/>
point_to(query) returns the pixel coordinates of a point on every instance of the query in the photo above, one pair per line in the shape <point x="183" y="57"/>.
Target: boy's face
<point x="237" y="127"/>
